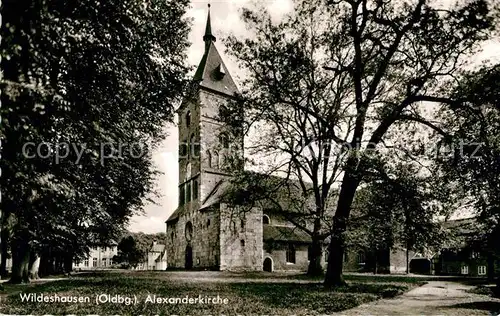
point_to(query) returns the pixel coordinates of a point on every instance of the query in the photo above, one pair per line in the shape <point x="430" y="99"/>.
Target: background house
<point x="100" y="257"/>
<point x="156" y="257"/>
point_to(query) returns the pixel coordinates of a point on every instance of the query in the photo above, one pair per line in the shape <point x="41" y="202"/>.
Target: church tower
<point x="205" y="144"/>
<point x="207" y="152"/>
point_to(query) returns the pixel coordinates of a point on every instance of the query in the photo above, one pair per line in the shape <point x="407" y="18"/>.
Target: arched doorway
<point x="189" y="257"/>
<point x="268" y="264"/>
<point x="420" y="266"/>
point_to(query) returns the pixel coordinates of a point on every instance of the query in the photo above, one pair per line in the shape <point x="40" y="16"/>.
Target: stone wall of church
<point x="206" y="250"/>
<point x="278" y="256"/>
<point x="204" y="242"/>
<point x="174" y="252"/>
<point x="241" y="246"/>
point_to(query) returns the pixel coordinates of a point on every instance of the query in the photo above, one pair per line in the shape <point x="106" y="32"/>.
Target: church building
<point x="203" y="232"/>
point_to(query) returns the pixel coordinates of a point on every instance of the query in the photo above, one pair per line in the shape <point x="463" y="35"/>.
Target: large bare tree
<point x="339" y="79"/>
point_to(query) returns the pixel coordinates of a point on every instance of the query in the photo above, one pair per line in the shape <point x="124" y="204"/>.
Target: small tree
<point x="128" y="252"/>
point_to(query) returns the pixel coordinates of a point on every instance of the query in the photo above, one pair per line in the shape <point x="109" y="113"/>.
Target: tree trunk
<point x="491" y="267"/>
<point x="336" y="248"/>
<point x="407" y="260"/>
<point x="335" y="263"/>
<point x="58" y="263"/>
<point x="315" y="268"/>
<point x="46" y="263"/>
<point x="68" y="262"/>
<point x="4" y="249"/>
<point x="34" y="267"/>
<point x="20" y="263"/>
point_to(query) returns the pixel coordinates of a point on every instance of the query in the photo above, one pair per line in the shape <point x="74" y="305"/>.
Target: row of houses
<point x="462" y="256"/>
<point x="101" y="257"/>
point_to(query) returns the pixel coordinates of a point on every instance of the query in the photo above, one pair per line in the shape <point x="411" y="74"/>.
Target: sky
<point x="226" y="20"/>
<point x="225" y="17"/>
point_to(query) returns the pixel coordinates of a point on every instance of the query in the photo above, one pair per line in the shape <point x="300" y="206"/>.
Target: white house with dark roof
<point x="156" y="257"/>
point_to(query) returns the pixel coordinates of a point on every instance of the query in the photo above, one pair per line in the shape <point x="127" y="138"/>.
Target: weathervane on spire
<point x="208" y="37"/>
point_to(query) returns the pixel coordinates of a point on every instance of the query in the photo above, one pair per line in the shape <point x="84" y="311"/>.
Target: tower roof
<point x="212" y="72"/>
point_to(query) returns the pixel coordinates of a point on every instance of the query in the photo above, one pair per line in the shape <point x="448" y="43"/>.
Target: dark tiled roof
<point x="285" y="233"/>
<point x="157" y="248"/>
<point x="208" y="70"/>
<point x="212" y="199"/>
<point x="270" y="193"/>
<point x="214" y="196"/>
<point x="175" y="214"/>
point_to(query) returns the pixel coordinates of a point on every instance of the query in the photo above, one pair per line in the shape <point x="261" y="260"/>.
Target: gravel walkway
<point x="434" y="298"/>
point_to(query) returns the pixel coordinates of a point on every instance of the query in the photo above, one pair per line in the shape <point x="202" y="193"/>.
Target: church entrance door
<point x="189" y="257"/>
<point x="268" y="265"/>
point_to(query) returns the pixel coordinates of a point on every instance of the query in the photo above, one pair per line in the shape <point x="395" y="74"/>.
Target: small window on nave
<point x="265" y="219"/>
<point x="290" y="254"/>
<point x="361" y="257"/>
<point x="188" y="118"/>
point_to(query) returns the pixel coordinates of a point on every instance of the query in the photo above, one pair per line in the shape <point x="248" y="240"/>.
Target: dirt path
<point x="434" y="298"/>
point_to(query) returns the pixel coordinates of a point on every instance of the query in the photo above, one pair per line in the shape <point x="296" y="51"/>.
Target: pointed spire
<point x="208" y="37"/>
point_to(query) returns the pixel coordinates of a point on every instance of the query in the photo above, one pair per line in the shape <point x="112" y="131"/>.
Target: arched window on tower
<point x="209" y="159"/>
<point x="188" y="118"/>
<point x="188" y="192"/>
<point x="224" y="140"/>
<point x="188" y="171"/>
<point x="195" y="189"/>
<point x="183" y="149"/>
<point x="216" y="160"/>
<point x="181" y="194"/>
<point x="191" y="145"/>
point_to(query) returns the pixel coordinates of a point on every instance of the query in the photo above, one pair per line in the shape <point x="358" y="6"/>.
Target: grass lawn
<point x="269" y="294"/>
